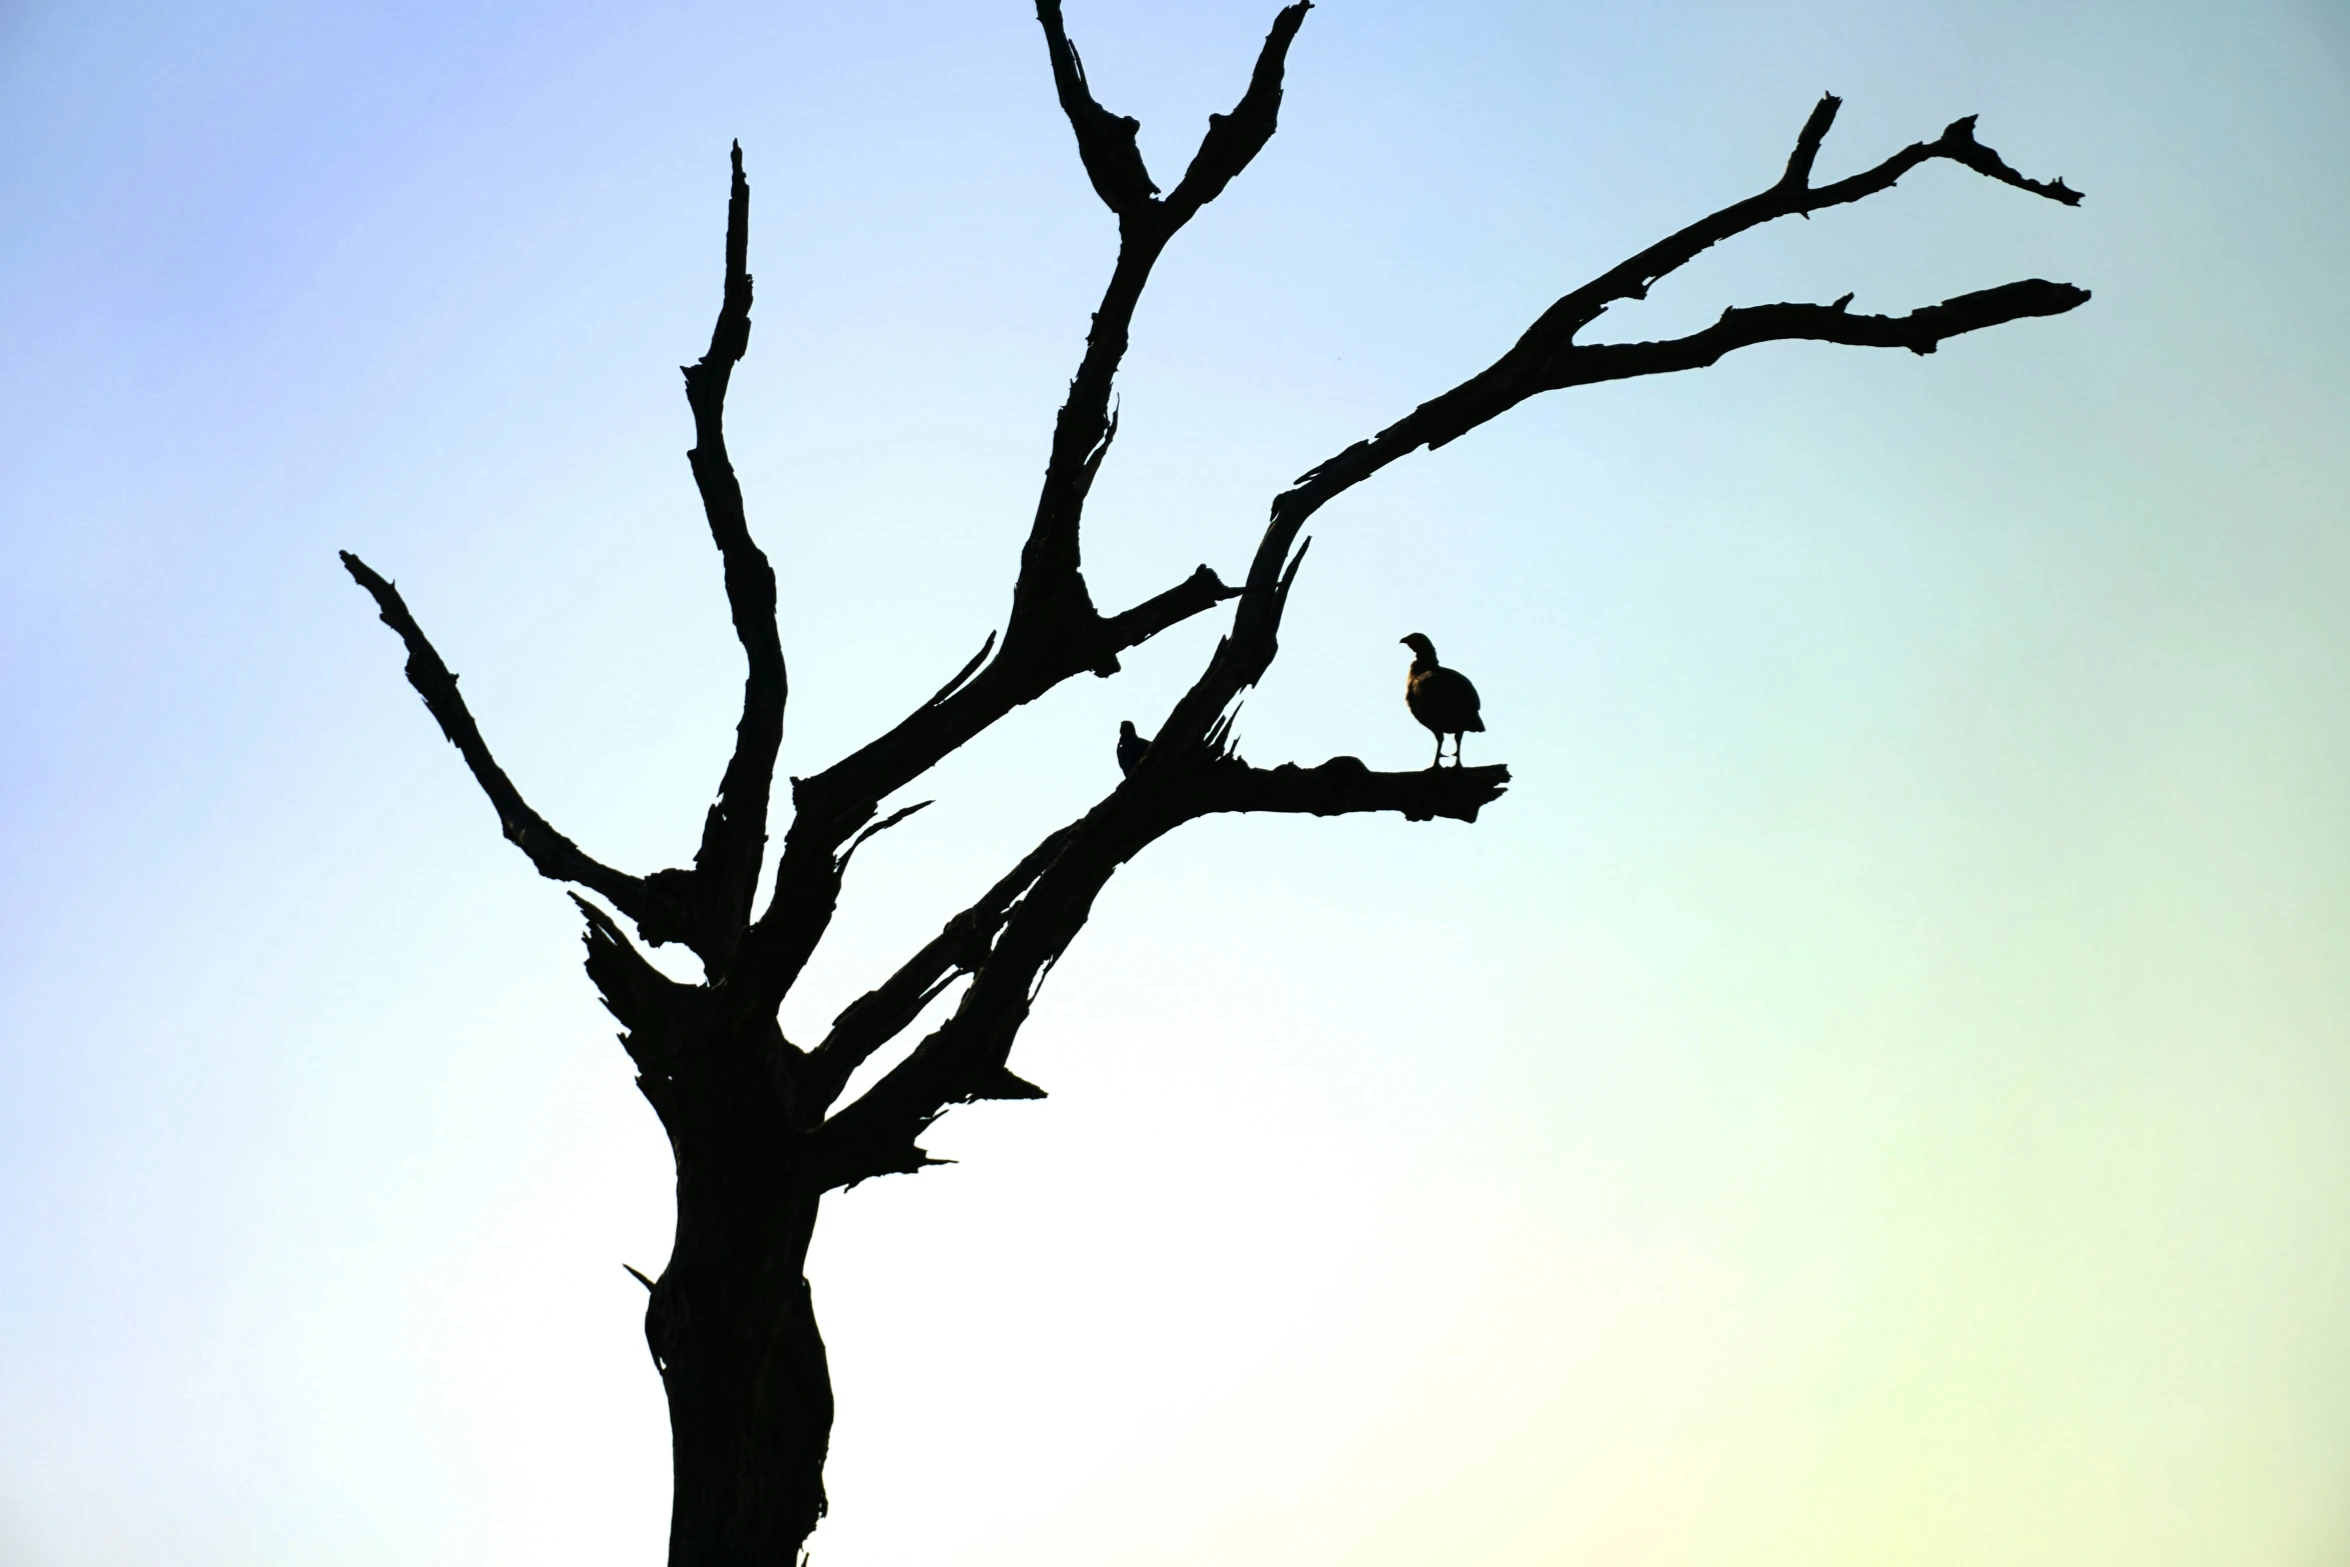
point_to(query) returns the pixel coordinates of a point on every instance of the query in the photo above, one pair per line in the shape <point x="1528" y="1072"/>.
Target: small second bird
<point x="1130" y="746"/>
<point x="1441" y="699"/>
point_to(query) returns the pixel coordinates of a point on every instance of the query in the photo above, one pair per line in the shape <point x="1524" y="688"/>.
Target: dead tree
<point x="752" y="1117"/>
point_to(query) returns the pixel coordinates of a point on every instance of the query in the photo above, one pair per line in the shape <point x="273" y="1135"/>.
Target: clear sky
<point x="1877" y="1091"/>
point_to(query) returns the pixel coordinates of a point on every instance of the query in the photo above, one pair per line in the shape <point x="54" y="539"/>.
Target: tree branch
<point x="882" y="1013"/>
<point x="725" y="876"/>
<point x="651" y="1006"/>
<point x="555" y="856"/>
<point x="1807" y="142"/>
<point x="1233" y="140"/>
<point x="1202" y="590"/>
<point x="964" y="1059"/>
<point x="1535" y="362"/>
<point x="1343" y="786"/>
<point x="965" y="673"/>
<point x="1921" y="331"/>
<point x="1792" y="195"/>
<point x="1105" y="141"/>
<point x="1547" y="357"/>
<point x="884" y="825"/>
<point x="967" y="706"/>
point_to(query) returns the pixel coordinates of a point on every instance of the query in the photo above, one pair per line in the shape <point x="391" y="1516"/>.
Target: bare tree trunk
<point x="732" y="1326"/>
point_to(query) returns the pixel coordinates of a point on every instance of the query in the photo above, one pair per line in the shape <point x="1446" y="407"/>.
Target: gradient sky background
<point x="1877" y="1090"/>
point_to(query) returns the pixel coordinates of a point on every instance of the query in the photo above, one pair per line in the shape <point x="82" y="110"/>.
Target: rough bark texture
<point x="753" y="1119"/>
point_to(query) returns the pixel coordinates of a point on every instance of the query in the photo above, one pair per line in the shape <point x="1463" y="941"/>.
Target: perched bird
<point x="1130" y="746"/>
<point x="1441" y="699"/>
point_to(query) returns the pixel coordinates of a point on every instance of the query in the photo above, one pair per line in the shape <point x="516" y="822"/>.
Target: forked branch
<point x="1547" y="358"/>
<point x="1050" y="596"/>
<point x="1053" y="631"/>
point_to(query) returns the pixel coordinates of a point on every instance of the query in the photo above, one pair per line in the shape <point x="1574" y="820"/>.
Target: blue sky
<point x="1875" y="1091"/>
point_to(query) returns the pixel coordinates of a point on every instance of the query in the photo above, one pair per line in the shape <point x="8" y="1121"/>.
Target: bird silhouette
<point x="1441" y="699"/>
<point x="1130" y="746"/>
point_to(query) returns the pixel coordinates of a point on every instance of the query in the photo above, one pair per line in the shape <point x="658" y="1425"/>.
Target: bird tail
<point x="1475" y="726"/>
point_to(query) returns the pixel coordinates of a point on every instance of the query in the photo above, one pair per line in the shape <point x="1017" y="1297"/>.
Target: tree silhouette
<point x="753" y="1118"/>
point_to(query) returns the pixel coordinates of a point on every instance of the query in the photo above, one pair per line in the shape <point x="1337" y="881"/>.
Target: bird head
<point x="1126" y="729"/>
<point x="1420" y="646"/>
